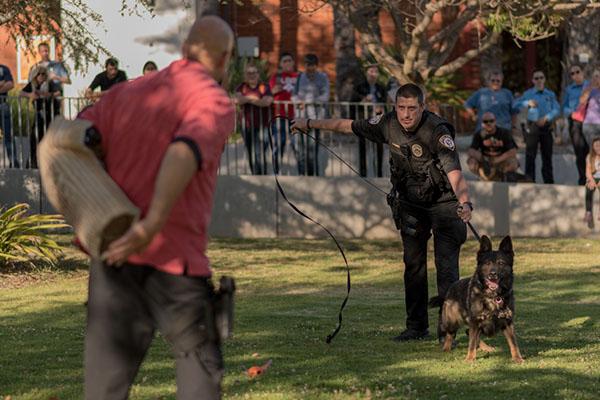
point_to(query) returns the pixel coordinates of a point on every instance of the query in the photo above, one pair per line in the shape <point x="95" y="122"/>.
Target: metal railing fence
<point x="23" y="124"/>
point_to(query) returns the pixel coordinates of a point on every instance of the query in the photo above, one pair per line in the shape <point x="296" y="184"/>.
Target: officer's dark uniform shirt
<point x="495" y="144"/>
<point x="416" y="156"/>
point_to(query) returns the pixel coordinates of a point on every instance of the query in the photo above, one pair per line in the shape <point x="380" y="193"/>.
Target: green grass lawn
<point x="289" y="293"/>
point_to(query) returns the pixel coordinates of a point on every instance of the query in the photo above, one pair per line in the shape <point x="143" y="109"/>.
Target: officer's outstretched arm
<point x="337" y="124"/>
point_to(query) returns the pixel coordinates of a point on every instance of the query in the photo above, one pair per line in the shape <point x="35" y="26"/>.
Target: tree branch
<point x="417" y="35"/>
<point x="454" y="65"/>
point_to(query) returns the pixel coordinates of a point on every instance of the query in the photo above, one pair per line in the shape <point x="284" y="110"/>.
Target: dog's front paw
<point x="518" y="360"/>
<point x="470" y="359"/>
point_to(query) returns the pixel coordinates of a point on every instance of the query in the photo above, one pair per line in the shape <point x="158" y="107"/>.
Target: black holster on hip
<point x="223" y="304"/>
<point x="394" y="202"/>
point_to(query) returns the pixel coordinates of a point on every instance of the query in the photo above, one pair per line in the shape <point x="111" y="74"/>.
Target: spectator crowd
<point x="266" y="108"/>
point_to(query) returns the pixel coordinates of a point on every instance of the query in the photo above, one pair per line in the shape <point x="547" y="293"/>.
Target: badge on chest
<point x="416" y="150"/>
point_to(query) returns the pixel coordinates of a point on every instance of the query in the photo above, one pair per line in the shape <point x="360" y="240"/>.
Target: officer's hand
<point x="464" y="212"/>
<point x="299" y="125"/>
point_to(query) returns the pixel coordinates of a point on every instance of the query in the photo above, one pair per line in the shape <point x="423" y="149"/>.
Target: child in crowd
<point x="592" y="172"/>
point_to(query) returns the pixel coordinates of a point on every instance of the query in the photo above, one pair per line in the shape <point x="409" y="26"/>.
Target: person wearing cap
<point x="312" y="90"/>
<point x="44" y="93"/>
<point x="163" y="150"/>
<point x="106" y="79"/>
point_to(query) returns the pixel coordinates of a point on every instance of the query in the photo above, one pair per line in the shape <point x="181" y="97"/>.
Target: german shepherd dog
<point x="484" y="302"/>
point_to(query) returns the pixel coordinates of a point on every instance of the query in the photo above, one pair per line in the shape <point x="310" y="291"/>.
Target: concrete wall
<point x="251" y="207"/>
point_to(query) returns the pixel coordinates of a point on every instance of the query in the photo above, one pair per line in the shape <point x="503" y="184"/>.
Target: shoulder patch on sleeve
<point x="374" y="120"/>
<point x="448" y="142"/>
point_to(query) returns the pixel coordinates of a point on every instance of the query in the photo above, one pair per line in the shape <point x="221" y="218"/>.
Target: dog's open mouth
<point x="492" y="284"/>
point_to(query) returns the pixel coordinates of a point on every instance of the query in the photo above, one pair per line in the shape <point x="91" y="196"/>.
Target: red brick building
<point x="305" y="26"/>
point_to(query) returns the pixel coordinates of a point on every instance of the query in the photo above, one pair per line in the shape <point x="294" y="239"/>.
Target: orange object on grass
<point x="256" y="370"/>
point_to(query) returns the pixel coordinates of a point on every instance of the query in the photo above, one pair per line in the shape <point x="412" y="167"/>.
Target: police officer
<point x="429" y="194"/>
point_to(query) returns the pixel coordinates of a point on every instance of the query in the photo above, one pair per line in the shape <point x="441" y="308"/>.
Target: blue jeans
<point x="5" y="120"/>
<point x="256" y="142"/>
<point x="279" y="131"/>
<point x="307" y="153"/>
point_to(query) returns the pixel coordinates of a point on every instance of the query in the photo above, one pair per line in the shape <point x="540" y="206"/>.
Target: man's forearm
<point x="176" y="170"/>
<point x="337" y="125"/>
<point x="5" y="86"/>
<point x="459" y="185"/>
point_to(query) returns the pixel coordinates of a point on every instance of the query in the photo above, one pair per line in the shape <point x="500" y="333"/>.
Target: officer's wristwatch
<point x="469" y="204"/>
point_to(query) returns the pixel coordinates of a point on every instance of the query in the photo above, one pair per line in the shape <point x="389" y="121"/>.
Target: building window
<point x="247" y="46"/>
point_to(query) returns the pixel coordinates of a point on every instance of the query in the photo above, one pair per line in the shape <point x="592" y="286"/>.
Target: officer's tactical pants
<point x="125" y="306"/>
<point x="449" y="233"/>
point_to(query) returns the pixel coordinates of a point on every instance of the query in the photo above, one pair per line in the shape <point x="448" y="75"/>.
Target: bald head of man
<point x="488" y="122"/>
<point x="210" y="42"/>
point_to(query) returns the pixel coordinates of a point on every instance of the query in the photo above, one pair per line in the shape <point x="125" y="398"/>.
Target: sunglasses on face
<point x="496" y="81"/>
<point x="489" y="121"/>
<point x="575" y="73"/>
<point x="538" y="78"/>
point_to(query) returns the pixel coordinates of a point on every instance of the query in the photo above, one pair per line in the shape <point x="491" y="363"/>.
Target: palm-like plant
<point x="24" y="238"/>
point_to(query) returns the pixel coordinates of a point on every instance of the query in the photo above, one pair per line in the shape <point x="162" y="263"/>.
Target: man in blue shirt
<point x="569" y="105"/>
<point x="493" y="98"/>
<point x="543" y="109"/>
<point x="6" y="84"/>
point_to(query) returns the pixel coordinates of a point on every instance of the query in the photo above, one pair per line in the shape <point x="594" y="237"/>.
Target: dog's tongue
<point x="491" y="284"/>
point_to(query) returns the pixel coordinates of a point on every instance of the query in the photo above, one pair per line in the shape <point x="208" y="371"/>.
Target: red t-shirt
<point x="287" y="80"/>
<point x="138" y="120"/>
<point x="255" y="116"/>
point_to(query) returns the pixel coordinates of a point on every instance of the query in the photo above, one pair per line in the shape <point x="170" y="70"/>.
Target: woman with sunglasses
<point x="570" y="107"/>
<point x="44" y="93"/>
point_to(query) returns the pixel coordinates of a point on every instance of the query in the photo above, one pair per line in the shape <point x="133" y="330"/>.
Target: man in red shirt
<point x="283" y="84"/>
<point x="162" y="136"/>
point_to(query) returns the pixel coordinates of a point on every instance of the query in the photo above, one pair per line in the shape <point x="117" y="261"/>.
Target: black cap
<point x="311" y="59"/>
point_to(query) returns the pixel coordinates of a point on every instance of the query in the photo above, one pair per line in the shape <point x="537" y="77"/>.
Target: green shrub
<point x="24" y="238"/>
<point x="22" y="113"/>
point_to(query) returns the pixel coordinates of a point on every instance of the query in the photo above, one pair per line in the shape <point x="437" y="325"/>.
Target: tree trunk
<point x="581" y="41"/>
<point x="347" y="67"/>
<point x="491" y="59"/>
<point x="207" y="7"/>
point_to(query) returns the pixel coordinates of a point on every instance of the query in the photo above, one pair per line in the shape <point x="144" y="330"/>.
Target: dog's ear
<point x="506" y="245"/>
<point x="485" y="244"/>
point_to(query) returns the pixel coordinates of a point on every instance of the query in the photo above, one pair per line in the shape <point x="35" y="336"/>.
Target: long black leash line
<point x="469" y="224"/>
<point x="282" y="192"/>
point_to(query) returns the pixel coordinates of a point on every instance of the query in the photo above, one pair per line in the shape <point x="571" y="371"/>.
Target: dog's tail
<point x="436" y="302"/>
